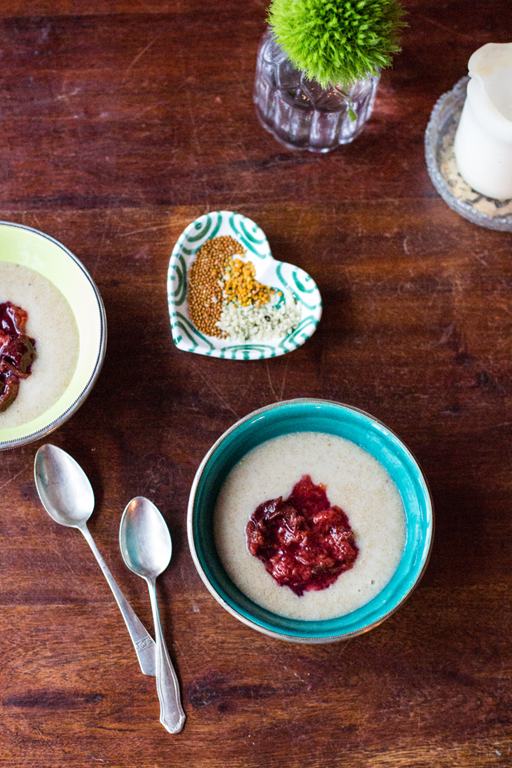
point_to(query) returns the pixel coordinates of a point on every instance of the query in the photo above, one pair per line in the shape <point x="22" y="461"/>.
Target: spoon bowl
<point x="63" y="487"/>
<point x="144" y="538"/>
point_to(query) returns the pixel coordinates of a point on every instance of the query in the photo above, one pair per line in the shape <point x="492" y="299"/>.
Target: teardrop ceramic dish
<point x="277" y="274"/>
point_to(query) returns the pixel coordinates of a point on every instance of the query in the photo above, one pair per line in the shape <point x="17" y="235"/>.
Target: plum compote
<point x="17" y="352"/>
<point x="303" y="541"/>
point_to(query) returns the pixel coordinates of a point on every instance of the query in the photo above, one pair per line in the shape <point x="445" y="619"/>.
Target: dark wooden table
<point x="120" y="123"/>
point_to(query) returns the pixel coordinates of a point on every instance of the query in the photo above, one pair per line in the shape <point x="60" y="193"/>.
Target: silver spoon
<point x="146" y="547"/>
<point x="67" y="496"/>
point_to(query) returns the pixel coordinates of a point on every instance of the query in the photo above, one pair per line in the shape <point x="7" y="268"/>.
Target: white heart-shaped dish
<point x="277" y="274"/>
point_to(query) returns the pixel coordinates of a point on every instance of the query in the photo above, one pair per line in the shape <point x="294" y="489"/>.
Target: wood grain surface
<point x="120" y="122"/>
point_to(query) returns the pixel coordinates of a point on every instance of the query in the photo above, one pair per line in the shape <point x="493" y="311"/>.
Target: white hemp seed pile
<point x="257" y="323"/>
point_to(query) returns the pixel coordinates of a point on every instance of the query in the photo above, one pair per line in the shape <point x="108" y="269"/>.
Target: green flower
<point x="337" y="41"/>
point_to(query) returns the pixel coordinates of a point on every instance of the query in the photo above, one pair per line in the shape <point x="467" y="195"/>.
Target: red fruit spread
<point x="303" y="541"/>
<point x="17" y="352"/>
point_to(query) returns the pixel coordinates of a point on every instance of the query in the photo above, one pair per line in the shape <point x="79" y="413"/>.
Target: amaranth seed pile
<point x="206" y="285"/>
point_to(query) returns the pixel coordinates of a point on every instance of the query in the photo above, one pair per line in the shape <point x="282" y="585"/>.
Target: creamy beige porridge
<point x="53" y="326"/>
<point x="354" y="481"/>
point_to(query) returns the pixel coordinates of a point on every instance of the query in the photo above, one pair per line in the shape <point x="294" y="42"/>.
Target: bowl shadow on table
<point x="145" y="377"/>
<point x="454" y="621"/>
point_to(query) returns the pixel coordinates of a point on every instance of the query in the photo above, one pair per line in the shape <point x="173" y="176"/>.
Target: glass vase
<point x="299" y="112"/>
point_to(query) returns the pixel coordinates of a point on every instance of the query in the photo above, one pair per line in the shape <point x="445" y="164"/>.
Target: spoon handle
<point x="172" y="715"/>
<point x="143" y="642"/>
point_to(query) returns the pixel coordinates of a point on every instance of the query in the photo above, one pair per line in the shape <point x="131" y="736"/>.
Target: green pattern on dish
<point x="298" y="288"/>
<point x="254" y="241"/>
<point x="279" y="275"/>
<point x="194" y="336"/>
<point x="203" y="225"/>
<point x="179" y="281"/>
<point x="298" y="336"/>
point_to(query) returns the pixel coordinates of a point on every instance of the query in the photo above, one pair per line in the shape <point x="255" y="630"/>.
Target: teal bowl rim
<point x="46" y="430"/>
<point x="366" y="431"/>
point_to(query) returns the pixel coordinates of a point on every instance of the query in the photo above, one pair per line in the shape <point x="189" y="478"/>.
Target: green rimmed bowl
<point x="310" y="415"/>
<point x="23" y="245"/>
<point x="269" y="271"/>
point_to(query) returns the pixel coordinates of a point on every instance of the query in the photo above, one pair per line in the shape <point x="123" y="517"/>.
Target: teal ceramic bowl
<point x="308" y="415"/>
<point x="30" y="248"/>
